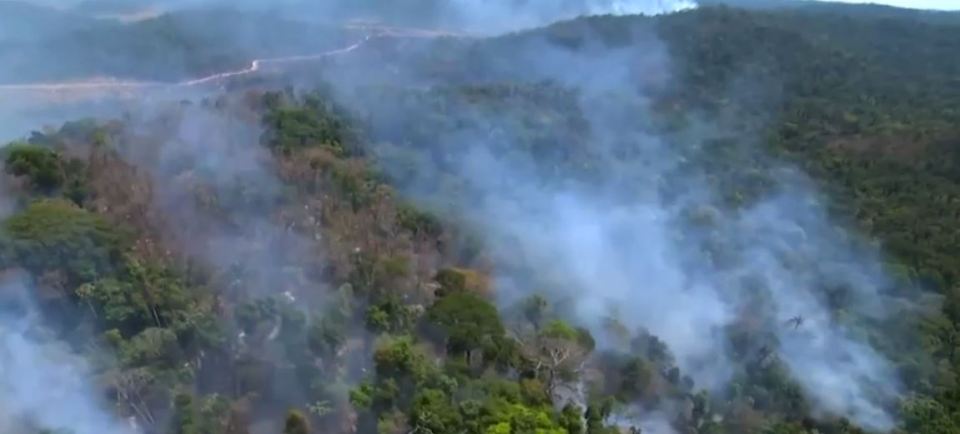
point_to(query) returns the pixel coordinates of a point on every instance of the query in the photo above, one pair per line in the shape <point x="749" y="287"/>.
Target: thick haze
<point x="44" y="383"/>
<point x="473" y="15"/>
<point x="39" y="42"/>
<point x="946" y="5"/>
<point x="650" y="243"/>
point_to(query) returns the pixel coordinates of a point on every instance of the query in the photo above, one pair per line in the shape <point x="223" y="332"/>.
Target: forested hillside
<point x="718" y="221"/>
<point x="43" y="44"/>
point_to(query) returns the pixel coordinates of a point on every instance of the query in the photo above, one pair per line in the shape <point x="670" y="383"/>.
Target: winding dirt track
<point x="110" y="85"/>
<point x="256" y="64"/>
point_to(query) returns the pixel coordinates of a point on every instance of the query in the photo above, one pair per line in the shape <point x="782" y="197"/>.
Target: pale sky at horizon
<point x="915" y="4"/>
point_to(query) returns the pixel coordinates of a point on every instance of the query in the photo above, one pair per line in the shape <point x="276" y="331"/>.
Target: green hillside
<point x="43" y="44"/>
<point x="410" y="246"/>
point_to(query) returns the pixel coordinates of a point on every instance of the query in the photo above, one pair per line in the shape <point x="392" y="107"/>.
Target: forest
<point x="169" y="47"/>
<point x="421" y="246"/>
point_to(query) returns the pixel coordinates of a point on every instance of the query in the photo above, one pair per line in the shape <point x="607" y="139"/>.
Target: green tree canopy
<point x="57" y="235"/>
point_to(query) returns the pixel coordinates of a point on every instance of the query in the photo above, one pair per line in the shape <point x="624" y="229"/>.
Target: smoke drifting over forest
<point x="588" y="196"/>
<point x="649" y="243"/>
<point x="39" y="370"/>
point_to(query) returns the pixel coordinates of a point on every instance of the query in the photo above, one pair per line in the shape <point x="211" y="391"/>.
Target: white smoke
<point x="638" y="262"/>
<point x="628" y="245"/>
<point x="637" y="259"/>
<point x="44" y="384"/>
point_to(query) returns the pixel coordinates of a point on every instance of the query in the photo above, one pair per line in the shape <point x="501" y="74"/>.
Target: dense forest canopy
<point x="739" y="218"/>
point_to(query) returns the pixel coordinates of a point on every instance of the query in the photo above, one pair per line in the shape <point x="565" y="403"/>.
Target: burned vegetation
<point x="398" y="258"/>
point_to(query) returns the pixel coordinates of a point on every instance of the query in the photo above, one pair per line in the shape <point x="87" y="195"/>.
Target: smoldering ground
<point x="217" y="188"/>
<point x="647" y="238"/>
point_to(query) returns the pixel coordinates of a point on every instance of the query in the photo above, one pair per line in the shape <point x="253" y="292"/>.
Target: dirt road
<point x="78" y="88"/>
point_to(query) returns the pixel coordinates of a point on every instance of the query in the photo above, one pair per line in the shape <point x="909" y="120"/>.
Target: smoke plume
<point x="648" y="240"/>
<point x="651" y="241"/>
<point x="44" y="384"/>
